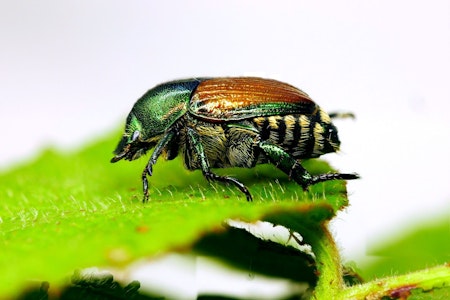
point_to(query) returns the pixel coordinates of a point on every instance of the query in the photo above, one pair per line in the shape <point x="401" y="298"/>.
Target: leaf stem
<point x="329" y="265"/>
<point x="400" y="286"/>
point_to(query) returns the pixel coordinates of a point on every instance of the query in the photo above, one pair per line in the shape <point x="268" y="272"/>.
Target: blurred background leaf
<point x="422" y="245"/>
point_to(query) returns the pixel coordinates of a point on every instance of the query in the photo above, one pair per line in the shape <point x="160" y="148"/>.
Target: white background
<point x="71" y="70"/>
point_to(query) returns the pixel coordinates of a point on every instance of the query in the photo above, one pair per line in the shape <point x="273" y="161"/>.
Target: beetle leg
<point x="212" y="176"/>
<point x="289" y="165"/>
<point x="285" y="162"/>
<point x="194" y="140"/>
<point x="163" y="142"/>
<point x="341" y="115"/>
<point x="333" y="176"/>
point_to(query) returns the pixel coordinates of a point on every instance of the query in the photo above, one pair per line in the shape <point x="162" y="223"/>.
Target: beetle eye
<point x="135" y="135"/>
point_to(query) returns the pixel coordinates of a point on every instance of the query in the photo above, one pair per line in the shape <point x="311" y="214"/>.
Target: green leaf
<point x="66" y="211"/>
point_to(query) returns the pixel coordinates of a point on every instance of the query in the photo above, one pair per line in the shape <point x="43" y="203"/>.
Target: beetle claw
<point x="248" y="196"/>
<point x="145" y="198"/>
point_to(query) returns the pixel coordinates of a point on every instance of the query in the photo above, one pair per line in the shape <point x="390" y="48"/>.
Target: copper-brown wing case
<point x="230" y="99"/>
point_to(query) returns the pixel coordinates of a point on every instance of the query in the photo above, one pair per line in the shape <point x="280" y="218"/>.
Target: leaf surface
<point x="66" y="211"/>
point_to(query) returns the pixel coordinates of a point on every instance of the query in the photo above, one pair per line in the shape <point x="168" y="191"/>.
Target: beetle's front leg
<point x="145" y="185"/>
<point x="163" y="142"/>
<point x="194" y="141"/>
<point x="289" y="165"/>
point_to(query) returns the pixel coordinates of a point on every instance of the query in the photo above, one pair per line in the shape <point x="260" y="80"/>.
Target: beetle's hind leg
<point x="333" y="176"/>
<point x="341" y="115"/>
<point x="289" y="165"/>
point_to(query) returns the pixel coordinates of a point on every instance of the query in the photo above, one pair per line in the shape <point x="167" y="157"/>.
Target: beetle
<point x="230" y="122"/>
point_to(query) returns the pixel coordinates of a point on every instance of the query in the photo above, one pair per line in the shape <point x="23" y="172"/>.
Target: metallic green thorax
<point x="230" y="122"/>
<point x="160" y="107"/>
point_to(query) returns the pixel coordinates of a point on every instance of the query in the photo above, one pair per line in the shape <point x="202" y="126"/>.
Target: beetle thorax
<point x="157" y="112"/>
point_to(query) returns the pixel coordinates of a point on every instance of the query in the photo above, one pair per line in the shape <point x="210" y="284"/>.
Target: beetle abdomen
<point x="303" y="136"/>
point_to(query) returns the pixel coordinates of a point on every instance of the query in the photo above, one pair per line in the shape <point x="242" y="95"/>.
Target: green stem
<point x="330" y="281"/>
<point x="397" y="286"/>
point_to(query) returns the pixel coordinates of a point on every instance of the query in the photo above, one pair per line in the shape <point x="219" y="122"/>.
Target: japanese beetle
<point x="229" y="122"/>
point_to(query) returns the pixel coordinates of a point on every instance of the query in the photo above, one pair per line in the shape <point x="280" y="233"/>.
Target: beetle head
<point x="132" y="146"/>
<point x="152" y="115"/>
